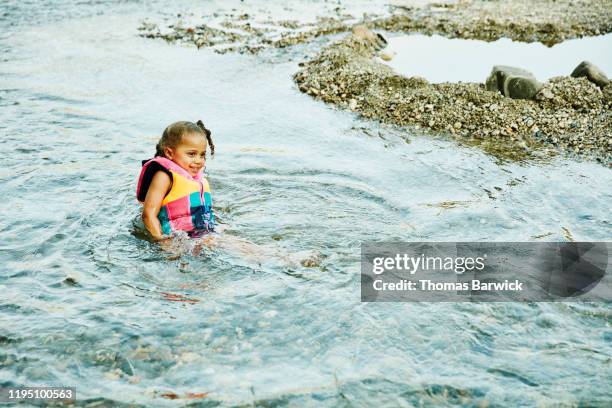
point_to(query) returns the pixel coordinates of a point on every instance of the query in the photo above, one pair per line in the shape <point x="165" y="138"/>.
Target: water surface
<point x="441" y="59"/>
<point x="83" y="100"/>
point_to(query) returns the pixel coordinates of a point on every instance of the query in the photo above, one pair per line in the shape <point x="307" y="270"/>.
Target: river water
<point x="440" y="59"/>
<point x="87" y="303"/>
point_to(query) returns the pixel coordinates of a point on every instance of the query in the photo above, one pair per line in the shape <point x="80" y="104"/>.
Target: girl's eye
<point x="191" y="154"/>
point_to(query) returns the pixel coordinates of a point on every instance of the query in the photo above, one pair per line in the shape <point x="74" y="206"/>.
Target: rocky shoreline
<point x="546" y="21"/>
<point x="566" y="112"/>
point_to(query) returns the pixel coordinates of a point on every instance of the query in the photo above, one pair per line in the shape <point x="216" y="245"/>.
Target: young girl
<point x="177" y="198"/>
<point x="175" y="195"/>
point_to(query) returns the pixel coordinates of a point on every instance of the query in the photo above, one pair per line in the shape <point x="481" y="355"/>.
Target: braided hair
<point x="173" y="135"/>
<point x="208" y="135"/>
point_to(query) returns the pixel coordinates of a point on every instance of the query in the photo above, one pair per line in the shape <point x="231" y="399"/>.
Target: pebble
<point x="189" y="357"/>
<point x="387" y="55"/>
<point x="113" y="375"/>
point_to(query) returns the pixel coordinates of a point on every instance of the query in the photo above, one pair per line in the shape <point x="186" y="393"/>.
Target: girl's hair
<point x="174" y="133"/>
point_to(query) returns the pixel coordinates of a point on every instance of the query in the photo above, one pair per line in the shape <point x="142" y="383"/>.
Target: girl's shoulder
<point x="150" y="168"/>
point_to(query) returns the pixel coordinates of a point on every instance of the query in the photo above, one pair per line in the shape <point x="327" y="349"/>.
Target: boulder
<point x="364" y="34"/>
<point x="517" y="87"/>
<point x="495" y="81"/>
<point x="592" y="73"/>
<point x="515" y="83"/>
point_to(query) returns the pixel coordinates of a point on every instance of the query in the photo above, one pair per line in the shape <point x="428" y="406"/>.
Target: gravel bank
<point x="547" y="21"/>
<point x="572" y="114"/>
<point x="569" y="114"/>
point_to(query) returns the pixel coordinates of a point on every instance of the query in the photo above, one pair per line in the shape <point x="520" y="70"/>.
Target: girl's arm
<point x="159" y="187"/>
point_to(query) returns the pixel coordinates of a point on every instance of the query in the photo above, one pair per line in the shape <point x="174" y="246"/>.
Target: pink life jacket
<point x="188" y="204"/>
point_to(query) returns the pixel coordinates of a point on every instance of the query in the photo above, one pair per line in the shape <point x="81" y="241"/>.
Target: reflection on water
<point x="86" y="302"/>
<point x="441" y="59"/>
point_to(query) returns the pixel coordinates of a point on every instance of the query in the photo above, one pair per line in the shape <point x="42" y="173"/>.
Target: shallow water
<point x="441" y="59"/>
<point x="84" y="99"/>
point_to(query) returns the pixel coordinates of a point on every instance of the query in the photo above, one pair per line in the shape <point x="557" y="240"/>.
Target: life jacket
<point x="188" y="204"/>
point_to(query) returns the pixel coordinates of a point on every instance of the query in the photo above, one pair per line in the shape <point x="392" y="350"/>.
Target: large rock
<point x="592" y="73"/>
<point x="513" y="82"/>
<point x="363" y="33"/>
<point x="517" y="87"/>
<point x="495" y="81"/>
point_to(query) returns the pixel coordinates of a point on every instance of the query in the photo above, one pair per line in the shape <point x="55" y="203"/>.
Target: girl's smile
<point x="190" y="154"/>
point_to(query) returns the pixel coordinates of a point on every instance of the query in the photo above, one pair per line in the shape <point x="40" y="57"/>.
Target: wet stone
<point x="513" y="82"/>
<point x="592" y="73"/>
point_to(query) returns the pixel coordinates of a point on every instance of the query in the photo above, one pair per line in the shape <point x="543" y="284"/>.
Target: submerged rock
<point x="515" y="83"/>
<point x="592" y="73"/>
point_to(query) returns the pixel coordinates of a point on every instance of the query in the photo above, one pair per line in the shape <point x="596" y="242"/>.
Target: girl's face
<point x="190" y="154"/>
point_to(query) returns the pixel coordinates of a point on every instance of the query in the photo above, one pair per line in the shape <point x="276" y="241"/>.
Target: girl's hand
<point x="166" y="244"/>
